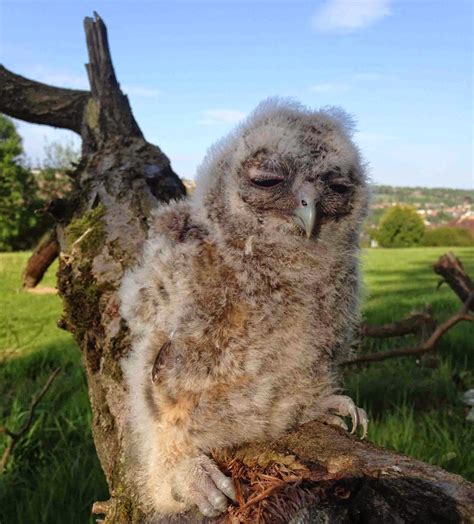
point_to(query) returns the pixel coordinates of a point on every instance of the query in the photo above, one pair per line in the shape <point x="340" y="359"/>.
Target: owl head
<point x="286" y="170"/>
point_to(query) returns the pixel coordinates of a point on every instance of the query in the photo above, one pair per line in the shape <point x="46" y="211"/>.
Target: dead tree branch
<point x="427" y="346"/>
<point x="413" y="324"/>
<point x="451" y="269"/>
<point x="40" y="103"/>
<point x="16" y="436"/>
<point x="456" y="277"/>
<point x="38" y="263"/>
<point x="113" y="115"/>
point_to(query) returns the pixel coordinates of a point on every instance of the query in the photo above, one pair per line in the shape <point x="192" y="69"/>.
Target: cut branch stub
<point x="108" y="114"/>
<point x="38" y="263"/>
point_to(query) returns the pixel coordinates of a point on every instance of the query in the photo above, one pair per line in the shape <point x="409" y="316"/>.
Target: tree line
<point x="402" y="226"/>
<point x="25" y="197"/>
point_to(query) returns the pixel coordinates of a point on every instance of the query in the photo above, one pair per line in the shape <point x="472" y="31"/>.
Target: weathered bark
<point x="119" y="181"/>
<point x="453" y="273"/>
<point x="43" y="256"/>
<point x="41" y="104"/>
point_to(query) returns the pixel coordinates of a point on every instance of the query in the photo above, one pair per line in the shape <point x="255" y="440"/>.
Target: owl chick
<point x="244" y="302"/>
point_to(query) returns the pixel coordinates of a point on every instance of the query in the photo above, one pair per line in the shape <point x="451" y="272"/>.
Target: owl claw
<point x="199" y="481"/>
<point x="344" y="406"/>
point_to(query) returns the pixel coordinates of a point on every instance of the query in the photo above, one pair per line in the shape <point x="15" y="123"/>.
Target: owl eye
<point x="267" y="182"/>
<point x="340" y="188"/>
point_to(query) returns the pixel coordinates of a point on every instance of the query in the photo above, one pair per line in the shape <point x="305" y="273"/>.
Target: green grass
<point x="54" y="475"/>
<point x="415" y="404"/>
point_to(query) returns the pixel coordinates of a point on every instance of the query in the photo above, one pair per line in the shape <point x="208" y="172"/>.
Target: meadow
<point x="414" y="405"/>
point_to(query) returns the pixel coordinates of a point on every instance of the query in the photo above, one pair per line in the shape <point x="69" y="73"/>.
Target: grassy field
<point x="54" y="474"/>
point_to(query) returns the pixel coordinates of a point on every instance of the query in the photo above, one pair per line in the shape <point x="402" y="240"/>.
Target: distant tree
<point x="61" y="155"/>
<point x="448" y="236"/>
<point x="19" y="224"/>
<point x="400" y="226"/>
<point x="54" y="177"/>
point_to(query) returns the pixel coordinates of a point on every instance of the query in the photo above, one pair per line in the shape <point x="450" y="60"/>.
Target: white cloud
<point x="78" y="81"/>
<point x="58" y="78"/>
<point x="349" y="15"/>
<point x="220" y="116"/>
<point x="329" y="87"/>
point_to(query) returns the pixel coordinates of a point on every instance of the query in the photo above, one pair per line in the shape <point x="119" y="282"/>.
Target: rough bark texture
<point x="41" y="104"/>
<point x="322" y="475"/>
<point x="43" y="256"/>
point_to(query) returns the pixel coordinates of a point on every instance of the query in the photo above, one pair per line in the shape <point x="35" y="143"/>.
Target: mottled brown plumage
<point x="251" y="288"/>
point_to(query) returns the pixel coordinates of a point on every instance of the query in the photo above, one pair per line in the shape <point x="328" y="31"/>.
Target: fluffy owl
<point x="244" y="302"/>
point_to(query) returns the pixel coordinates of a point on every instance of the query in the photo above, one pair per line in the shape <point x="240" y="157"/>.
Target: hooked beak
<point x="304" y="215"/>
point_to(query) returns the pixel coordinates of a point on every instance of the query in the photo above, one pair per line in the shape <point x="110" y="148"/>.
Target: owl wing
<point x="149" y="293"/>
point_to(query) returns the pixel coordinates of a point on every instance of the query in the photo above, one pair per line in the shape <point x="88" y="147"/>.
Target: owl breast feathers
<point x="244" y="301"/>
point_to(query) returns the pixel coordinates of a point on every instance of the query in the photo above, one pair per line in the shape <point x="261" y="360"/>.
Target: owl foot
<point x="199" y="481"/>
<point x="344" y="407"/>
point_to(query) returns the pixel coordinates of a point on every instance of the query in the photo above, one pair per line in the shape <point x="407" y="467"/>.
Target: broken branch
<point x="429" y="345"/>
<point x="453" y="273"/>
<point x="414" y="323"/>
<point x="38" y="263"/>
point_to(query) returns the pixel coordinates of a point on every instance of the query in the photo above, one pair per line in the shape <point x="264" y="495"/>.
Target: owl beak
<point x="304" y="215"/>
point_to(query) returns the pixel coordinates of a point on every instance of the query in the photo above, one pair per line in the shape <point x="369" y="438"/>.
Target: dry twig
<point x="15" y="437"/>
<point x="428" y="345"/>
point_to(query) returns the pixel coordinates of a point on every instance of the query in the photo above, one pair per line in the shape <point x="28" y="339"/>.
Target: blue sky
<point x="192" y="69"/>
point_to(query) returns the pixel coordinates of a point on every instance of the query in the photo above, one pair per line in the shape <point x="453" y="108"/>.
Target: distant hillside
<point x="422" y="196"/>
<point x="437" y="206"/>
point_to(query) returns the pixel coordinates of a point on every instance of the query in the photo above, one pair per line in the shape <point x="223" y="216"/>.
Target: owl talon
<point x="344" y="406"/>
<point x="199" y="481"/>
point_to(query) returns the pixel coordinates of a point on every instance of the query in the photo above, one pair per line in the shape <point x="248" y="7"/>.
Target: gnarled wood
<point x="452" y="271"/>
<point x="109" y="115"/>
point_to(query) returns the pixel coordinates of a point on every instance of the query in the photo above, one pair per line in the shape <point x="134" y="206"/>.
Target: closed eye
<point x="267" y="182"/>
<point x="340" y="188"/>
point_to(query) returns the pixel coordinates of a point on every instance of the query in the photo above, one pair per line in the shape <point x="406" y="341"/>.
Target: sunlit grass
<point x="54" y="475"/>
<point x="415" y="404"/>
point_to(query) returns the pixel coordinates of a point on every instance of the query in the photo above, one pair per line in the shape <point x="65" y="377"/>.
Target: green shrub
<point x="448" y="236"/>
<point x="400" y="226"/>
<point x="22" y="195"/>
<point x="20" y="225"/>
